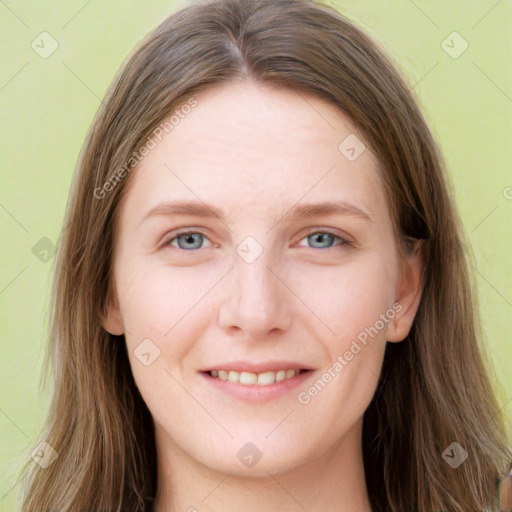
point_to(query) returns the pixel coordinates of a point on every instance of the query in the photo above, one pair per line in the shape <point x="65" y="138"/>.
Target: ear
<point x="111" y="320"/>
<point x="408" y="293"/>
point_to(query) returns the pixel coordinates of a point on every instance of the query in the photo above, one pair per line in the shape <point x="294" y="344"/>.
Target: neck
<point x="333" y="481"/>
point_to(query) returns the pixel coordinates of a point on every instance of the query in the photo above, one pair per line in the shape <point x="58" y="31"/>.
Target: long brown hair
<point x="434" y="390"/>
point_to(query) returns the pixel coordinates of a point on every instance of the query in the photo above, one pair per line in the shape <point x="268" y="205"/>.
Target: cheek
<point x="347" y="299"/>
<point x="155" y="299"/>
<point x="357" y="306"/>
<point x="166" y="306"/>
<point x="164" y="316"/>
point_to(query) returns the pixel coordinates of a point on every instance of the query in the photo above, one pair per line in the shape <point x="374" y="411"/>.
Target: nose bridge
<point x="257" y="301"/>
<point x="257" y="284"/>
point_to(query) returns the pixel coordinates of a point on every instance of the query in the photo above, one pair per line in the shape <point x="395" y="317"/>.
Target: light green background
<point x="48" y="104"/>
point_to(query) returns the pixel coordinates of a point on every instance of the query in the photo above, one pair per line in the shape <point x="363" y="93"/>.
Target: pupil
<point x="322" y="237"/>
<point x="188" y="239"/>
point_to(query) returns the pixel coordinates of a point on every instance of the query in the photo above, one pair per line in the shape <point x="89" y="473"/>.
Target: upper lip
<point x="252" y="367"/>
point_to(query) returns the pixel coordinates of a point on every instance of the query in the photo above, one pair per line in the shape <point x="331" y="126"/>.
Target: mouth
<point x="256" y="383"/>
<point x="256" y="379"/>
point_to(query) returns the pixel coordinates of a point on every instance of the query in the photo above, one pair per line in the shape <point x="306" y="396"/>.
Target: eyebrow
<point x="302" y="211"/>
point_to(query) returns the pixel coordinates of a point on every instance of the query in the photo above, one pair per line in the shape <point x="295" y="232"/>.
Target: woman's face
<point x="223" y="272"/>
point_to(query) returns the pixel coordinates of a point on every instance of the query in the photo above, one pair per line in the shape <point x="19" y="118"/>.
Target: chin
<point x="255" y="456"/>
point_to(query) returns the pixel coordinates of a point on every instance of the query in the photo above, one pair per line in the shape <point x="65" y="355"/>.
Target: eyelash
<point x="189" y="252"/>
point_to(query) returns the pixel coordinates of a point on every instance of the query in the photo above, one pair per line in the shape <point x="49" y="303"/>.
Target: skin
<point x="255" y="152"/>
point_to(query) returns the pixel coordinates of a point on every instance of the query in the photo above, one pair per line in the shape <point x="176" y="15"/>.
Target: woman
<point x="259" y="370"/>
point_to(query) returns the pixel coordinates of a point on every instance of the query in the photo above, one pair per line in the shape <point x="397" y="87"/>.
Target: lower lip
<point x="255" y="393"/>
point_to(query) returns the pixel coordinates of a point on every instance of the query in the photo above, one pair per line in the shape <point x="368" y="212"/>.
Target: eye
<point x="193" y="240"/>
<point x="323" y="239"/>
<point x="188" y="241"/>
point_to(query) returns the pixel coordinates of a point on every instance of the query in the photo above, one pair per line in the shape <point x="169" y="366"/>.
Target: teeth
<point x="267" y="378"/>
<point x="280" y="375"/>
<point x="251" y="379"/>
<point x="248" y="378"/>
<point x="290" y="374"/>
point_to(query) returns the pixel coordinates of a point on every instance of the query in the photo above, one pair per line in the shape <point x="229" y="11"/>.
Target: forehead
<point x="249" y="146"/>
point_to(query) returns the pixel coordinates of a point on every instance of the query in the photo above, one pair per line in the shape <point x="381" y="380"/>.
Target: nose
<point x="257" y="304"/>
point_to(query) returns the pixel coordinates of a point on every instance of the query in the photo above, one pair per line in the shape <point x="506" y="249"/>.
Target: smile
<point x="254" y="379"/>
<point x="257" y="383"/>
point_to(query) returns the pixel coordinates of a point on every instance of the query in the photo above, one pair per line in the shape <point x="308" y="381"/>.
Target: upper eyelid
<point x="172" y="236"/>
